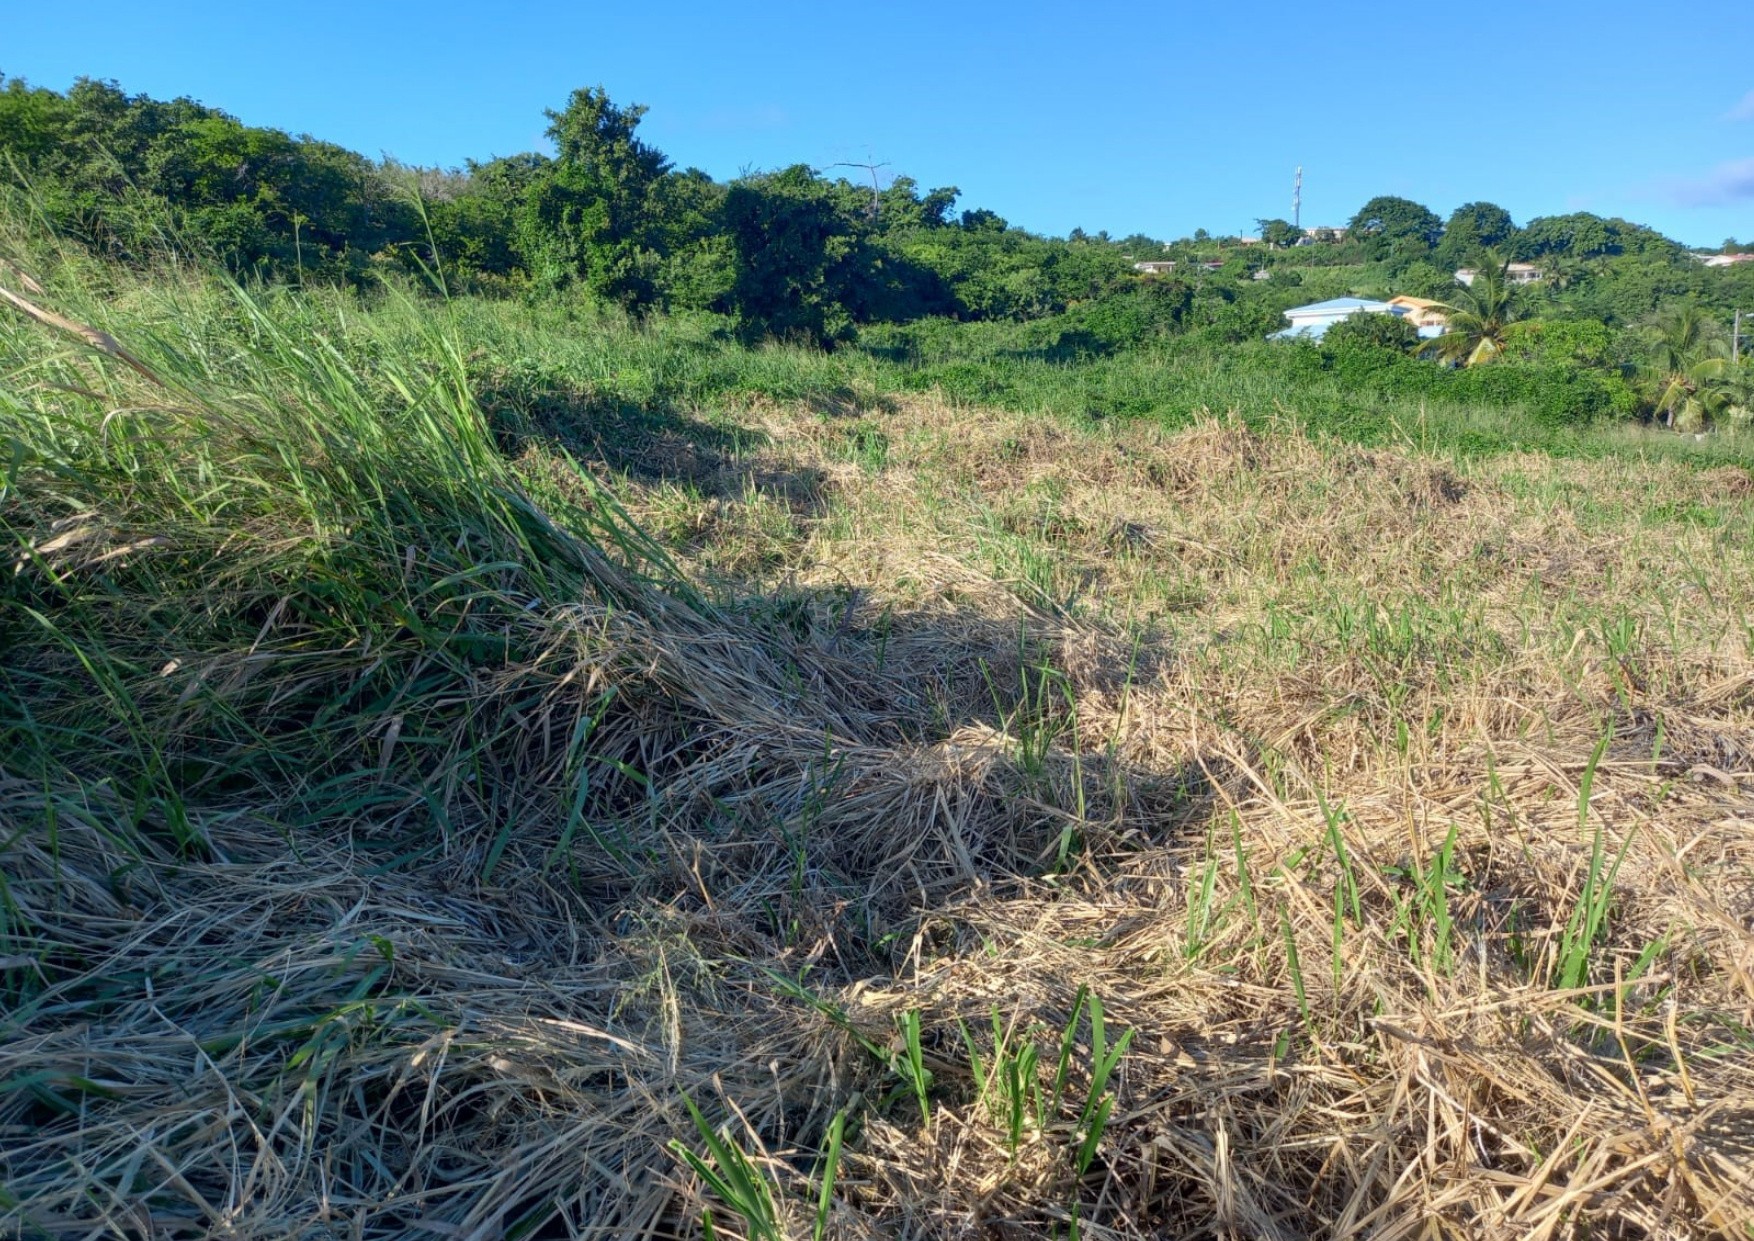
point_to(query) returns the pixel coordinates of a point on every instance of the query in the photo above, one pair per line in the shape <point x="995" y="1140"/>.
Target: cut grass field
<point x="467" y="773"/>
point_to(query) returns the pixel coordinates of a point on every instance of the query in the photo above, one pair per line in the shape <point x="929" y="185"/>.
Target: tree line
<point x="794" y="254"/>
<point x="1591" y="266"/>
<point x="786" y="253"/>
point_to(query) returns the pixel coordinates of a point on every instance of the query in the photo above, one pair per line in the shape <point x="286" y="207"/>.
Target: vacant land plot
<point x="437" y="803"/>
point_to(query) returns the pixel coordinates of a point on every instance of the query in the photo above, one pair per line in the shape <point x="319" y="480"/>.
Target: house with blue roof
<point x="1312" y="322"/>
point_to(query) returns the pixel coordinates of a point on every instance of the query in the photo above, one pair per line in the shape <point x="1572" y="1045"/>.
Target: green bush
<point x="1366" y="330"/>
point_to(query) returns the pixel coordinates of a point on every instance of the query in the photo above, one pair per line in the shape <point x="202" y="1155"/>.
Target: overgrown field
<point x="451" y="789"/>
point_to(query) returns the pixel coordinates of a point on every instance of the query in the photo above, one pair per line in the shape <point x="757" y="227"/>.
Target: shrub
<point x="1365" y="330"/>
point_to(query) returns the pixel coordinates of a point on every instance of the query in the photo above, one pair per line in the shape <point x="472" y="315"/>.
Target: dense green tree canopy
<point x="1278" y="232"/>
<point x="1388" y="225"/>
<point x="1373" y="331"/>
<point x="1474" y="227"/>
<point x="1587" y="236"/>
<point x="606" y="213"/>
<point x="591" y="214"/>
<point x="790" y="243"/>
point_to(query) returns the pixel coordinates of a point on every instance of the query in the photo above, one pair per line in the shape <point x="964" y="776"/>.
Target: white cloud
<point x="1730" y="182"/>
<point x="1743" y="111"/>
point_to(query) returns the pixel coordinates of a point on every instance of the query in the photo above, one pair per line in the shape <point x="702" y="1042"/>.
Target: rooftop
<point x="1311" y="322"/>
<point x="1335" y="305"/>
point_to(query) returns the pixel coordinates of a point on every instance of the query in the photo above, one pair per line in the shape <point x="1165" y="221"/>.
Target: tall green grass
<point x="275" y="566"/>
<point x="692" y="363"/>
<point x="1173" y="380"/>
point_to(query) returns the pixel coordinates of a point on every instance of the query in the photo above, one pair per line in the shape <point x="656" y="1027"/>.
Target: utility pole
<point x="1297" y="200"/>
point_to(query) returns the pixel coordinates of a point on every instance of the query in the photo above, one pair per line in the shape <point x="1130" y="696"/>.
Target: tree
<point x="1423" y="279"/>
<point x="596" y="139"/>
<point x="902" y="207"/>
<point x="1689" y="358"/>
<point x="33" y="121"/>
<point x="1479" y="314"/>
<point x="589" y="215"/>
<point x="697" y="267"/>
<point x="1736" y="389"/>
<point x="476" y="228"/>
<point x="788" y="238"/>
<point x="1474" y="227"/>
<point x="1368" y="330"/>
<point x="1387" y="225"/>
<point x="935" y="207"/>
<point x="1560" y="272"/>
<point x="1585" y="236"/>
<point x="1561" y="342"/>
<point x="1278" y="232"/>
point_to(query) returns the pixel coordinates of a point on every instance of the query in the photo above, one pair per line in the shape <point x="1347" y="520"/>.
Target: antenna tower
<point x="1297" y="200"/>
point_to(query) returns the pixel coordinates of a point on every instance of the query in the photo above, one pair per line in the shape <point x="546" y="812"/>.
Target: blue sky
<point x="1156" y="118"/>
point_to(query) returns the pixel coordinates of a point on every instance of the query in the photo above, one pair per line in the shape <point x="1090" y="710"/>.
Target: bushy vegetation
<point x="794" y="255"/>
<point x="786" y="253"/>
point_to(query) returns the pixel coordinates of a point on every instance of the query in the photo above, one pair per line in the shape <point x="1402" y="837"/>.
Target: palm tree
<point x="1559" y="272"/>
<point x="1479" y="314"/>
<point x="1737" y="390"/>
<point x="1690" y="361"/>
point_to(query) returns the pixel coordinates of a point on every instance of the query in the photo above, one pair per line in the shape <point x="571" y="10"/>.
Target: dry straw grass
<point x="1399" y="807"/>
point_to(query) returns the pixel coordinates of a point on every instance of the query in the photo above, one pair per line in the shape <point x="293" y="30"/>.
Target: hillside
<point x="505" y="771"/>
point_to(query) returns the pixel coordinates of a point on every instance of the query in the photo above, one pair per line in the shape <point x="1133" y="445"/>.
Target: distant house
<point x="1262" y="274"/>
<point x="1212" y="265"/>
<point x="1321" y="233"/>
<point x="1423" y="313"/>
<point x="1313" y="321"/>
<point x="1155" y="267"/>
<point x="1516" y="273"/>
<point x="1727" y="260"/>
